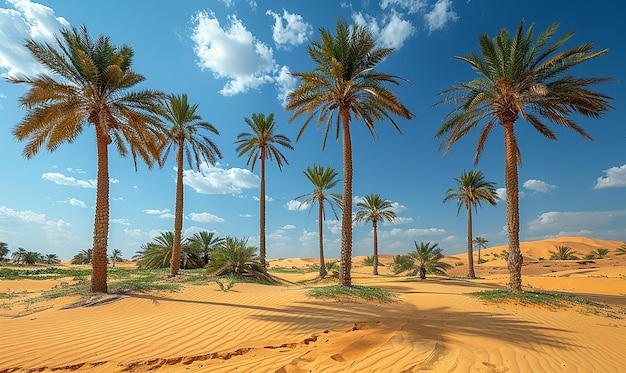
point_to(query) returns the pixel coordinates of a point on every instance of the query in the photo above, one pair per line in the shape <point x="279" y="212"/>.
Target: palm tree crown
<point x="519" y="76"/>
<point x="323" y="180"/>
<point x="88" y="82"/>
<point x="260" y="144"/>
<point x="471" y="190"/>
<point x="184" y="135"/>
<point x="373" y="208"/>
<point x="425" y="259"/>
<point x="343" y="86"/>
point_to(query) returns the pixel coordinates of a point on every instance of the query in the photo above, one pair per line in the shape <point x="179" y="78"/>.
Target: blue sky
<point x="233" y="58"/>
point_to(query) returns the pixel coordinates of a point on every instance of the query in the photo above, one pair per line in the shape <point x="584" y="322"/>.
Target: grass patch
<point x="343" y="293"/>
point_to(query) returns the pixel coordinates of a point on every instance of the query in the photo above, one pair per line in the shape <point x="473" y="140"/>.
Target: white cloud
<point x="292" y="32"/>
<point x="288" y="227"/>
<point x="391" y="31"/>
<point x="294" y="205"/>
<point x="25" y="20"/>
<point x="61" y="179"/>
<point x="440" y="15"/>
<point x="204" y="217"/>
<point x="77" y="202"/>
<point x="285" y="83"/>
<point x="573" y="221"/>
<point x="501" y="193"/>
<point x="538" y="186"/>
<point x="232" y="53"/>
<point x="212" y="179"/>
<point x="25" y="216"/>
<point x="120" y="221"/>
<point x="411" y="6"/>
<point x="156" y="212"/>
<point x="615" y="178"/>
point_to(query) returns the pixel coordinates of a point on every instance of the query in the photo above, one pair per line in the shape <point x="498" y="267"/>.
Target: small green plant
<point x="481" y="261"/>
<point x="368" y="261"/>
<point x="459" y="264"/>
<point x="589" y="256"/>
<point x="600" y="253"/>
<point x="353" y="292"/>
<point x="542" y="258"/>
<point x="225" y="283"/>
<point x="563" y="253"/>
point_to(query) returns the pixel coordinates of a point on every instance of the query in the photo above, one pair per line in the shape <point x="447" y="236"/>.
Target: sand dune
<point x="434" y="326"/>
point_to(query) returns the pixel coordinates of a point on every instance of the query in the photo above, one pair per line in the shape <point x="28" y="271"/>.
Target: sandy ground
<point x="434" y="326"/>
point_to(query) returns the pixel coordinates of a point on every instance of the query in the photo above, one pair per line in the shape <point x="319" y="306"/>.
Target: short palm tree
<point x="323" y="179"/>
<point x="18" y="255"/>
<point x="563" y="253"/>
<point x="425" y="259"/>
<point x="481" y="243"/>
<point x="621" y="250"/>
<point x="471" y="190"/>
<point x="205" y="243"/>
<point x="600" y="253"/>
<point x="116" y="256"/>
<point x="185" y="137"/>
<point x="158" y="254"/>
<point x="88" y="83"/>
<point x="4" y="250"/>
<point x="32" y="257"/>
<point x="373" y="208"/>
<point x="234" y="257"/>
<point x="261" y="144"/>
<point x="345" y="86"/>
<point x="51" y="259"/>
<point x="520" y="77"/>
<point x="83" y="257"/>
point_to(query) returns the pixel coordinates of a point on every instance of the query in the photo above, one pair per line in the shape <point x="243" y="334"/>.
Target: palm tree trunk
<point x="262" y="212"/>
<point x="345" y="278"/>
<point x="320" y="223"/>
<point x="515" y="260"/>
<point x="101" y="223"/>
<point x="470" y="252"/>
<point x="375" y="258"/>
<point x="178" y="215"/>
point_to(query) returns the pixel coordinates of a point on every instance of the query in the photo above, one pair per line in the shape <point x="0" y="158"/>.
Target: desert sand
<point x="433" y="326"/>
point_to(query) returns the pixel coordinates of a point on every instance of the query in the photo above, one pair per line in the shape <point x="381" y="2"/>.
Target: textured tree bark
<point x="101" y="224"/>
<point x="320" y="225"/>
<point x="345" y="274"/>
<point x="375" y="258"/>
<point x="470" y="251"/>
<point x="515" y="260"/>
<point x="262" y="248"/>
<point x="178" y="215"/>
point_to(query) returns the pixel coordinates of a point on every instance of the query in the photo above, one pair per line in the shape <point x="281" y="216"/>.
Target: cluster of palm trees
<point x="23" y="256"/>
<point x="89" y="83"/>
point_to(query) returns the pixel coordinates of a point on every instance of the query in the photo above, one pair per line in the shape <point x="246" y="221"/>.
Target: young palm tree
<point x="18" y="255"/>
<point x="563" y="253"/>
<point x="158" y="254"/>
<point x="83" y="257"/>
<point x="621" y="250"/>
<point x="323" y="180"/>
<point x="116" y="256"/>
<point x="519" y="77"/>
<point x="89" y="82"/>
<point x="51" y="259"/>
<point x="425" y="259"/>
<point x="234" y="257"/>
<point x="600" y="253"/>
<point x="261" y="144"/>
<point x="374" y="209"/>
<point x="205" y="243"/>
<point x="471" y="190"/>
<point x="184" y="136"/>
<point x="344" y="84"/>
<point x="4" y="250"/>
<point x="481" y="243"/>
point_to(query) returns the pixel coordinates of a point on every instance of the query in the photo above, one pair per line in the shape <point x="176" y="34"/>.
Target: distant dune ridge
<point x="434" y="326"/>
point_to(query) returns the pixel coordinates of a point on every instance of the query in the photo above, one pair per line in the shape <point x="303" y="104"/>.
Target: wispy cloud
<point x="60" y="179"/>
<point x="615" y="178"/>
<point x="25" y="20"/>
<point x="411" y="6"/>
<point x="77" y="203"/>
<point x="574" y="221"/>
<point x="538" y="186"/>
<point x="204" y="217"/>
<point x="391" y="31"/>
<point x="440" y="15"/>
<point x="289" y="29"/>
<point x="294" y="205"/>
<point x="24" y="216"/>
<point x="212" y="179"/>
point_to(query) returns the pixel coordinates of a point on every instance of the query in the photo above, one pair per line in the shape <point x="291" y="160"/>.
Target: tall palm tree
<point x="425" y="259"/>
<point x="519" y="77"/>
<point x="374" y="208"/>
<point x="345" y="83"/>
<point x="88" y="82"/>
<point x="261" y="144"/>
<point x="471" y="190"/>
<point x="184" y="136"/>
<point x="205" y="243"/>
<point x="481" y="243"/>
<point x="323" y="180"/>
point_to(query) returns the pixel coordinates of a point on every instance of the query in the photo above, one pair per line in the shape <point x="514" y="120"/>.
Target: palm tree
<point x="600" y="253"/>
<point x="520" y="78"/>
<point x="425" y="259"/>
<point x="4" y="250"/>
<point x="344" y="83"/>
<point x="32" y="257"/>
<point x="374" y="209"/>
<point x="158" y="254"/>
<point x="259" y="144"/>
<point x="116" y="256"/>
<point x="184" y="136"/>
<point x="471" y="190"/>
<point x="481" y="243"/>
<point x="323" y="180"/>
<point x="51" y="259"/>
<point x="563" y="253"/>
<point x="205" y="243"/>
<point x="18" y="256"/>
<point x="621" y="250"/>
<point x="83" y="257"/>
<point x="88" y="83"/>
<point x="234" y="257"/>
